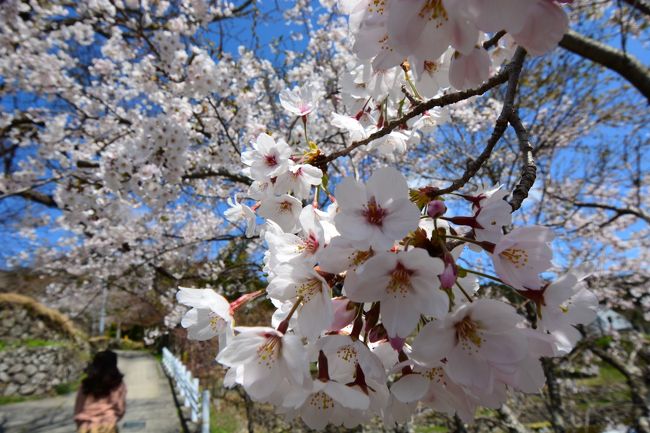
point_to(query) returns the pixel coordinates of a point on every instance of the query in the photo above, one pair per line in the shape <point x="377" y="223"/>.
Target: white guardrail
<point x="188" y="388"/>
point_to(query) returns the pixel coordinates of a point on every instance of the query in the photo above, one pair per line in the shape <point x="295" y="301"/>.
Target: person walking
<point x="101" y="400"/>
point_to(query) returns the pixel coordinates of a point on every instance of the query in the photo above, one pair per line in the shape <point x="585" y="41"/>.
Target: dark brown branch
<point x="529" y="169"/>
<point x="219" y="173"/>
<point x="494" y="40"/>
<point x="500" y="126"/>
<point x="442" y="101"/>
<point x="627" y="67"/>
<point x="38" y="197"/>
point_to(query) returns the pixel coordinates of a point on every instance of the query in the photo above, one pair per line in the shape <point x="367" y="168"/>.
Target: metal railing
<point x="188" y="389"/>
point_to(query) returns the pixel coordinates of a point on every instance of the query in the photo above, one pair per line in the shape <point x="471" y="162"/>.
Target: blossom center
<point x="216" y="322"/>
<point x="309" y="288"/>
<point x="516" y="256"/>
<point x="347" y="353"/>
<point x="434" y="10"/>
<point x="321" y="401"/>
<point x="467" y="333"/>
<point x="400" y="280"/>
<point x="269" y="352"/>
<point x="311" y="243"/>
<point x="285" y="206"/>
<point x="271" y="160"/>
<point x="430" y="67"/>
<point x="374" y="213"/>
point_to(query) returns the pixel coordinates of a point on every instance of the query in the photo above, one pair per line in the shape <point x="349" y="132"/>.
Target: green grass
<point x="68" y="387"/>
<point x="16" y="399"/>
<point x="431" y="429"/>
<point x="31" y="343"/>
<point x="607" y="376"/>
<point x="223" y="422"/>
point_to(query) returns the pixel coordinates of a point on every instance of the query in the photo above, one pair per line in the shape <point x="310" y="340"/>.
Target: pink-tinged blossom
<point x="433" y="387"/>
<point x="300" y="101"/>
<point x="492" y="213"/>
<point x="283" y="210"/>
<point x="379" y="212"/>
<point x="344" y="313"/>
<point x="239" y="212"/>
<point x="296" y="282"/>
<point x="298" y="180"/>
<point x="469" y="70"/>
<point x="564" y="303"/>
<point x="406" y="284"/>
<point x="267" y="159"/>
<point x="355" y="128"/>
<point x="342" y="254"/>
<point x="425" y="29"/>
<point x="305" y="247"/>
<point x="474" y="343"/>
<point x="521" y="255"/>
<point x="266" y="357"/>
<point x="324" y="403"/>
<point x="546" y="23"/>
<point x="209" y="317"/>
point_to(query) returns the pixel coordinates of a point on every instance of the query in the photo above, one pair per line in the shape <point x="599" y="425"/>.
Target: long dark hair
<point x="102" y="375"/>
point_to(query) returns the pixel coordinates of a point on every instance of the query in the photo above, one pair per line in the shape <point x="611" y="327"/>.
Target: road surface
<point x="150" y="405"/>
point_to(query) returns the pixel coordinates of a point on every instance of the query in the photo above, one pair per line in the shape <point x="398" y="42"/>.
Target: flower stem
<point x="481" y="274"/>
<point x="284" y="325"/>
<point x="469" y="298"/>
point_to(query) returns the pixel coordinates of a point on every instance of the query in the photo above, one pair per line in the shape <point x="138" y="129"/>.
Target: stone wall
<point x="29" y="371"/>
<point x="18" y="323"/>
<point x="41" y="349"/>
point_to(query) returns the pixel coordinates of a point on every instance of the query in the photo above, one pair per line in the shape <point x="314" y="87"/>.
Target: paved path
<point x="149" y="405"/>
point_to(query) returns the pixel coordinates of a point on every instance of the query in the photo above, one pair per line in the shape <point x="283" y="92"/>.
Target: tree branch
<point x="499" y="127"/>
<point x="442" y="101"/>
<point x="529" y="169"/>
<point x="627" y="67"/>
<point x="219" y="173"/>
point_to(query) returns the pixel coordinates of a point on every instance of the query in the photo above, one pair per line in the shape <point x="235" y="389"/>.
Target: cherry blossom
<point x="405" y="283"/>
<point x="378" y="212"/>
<point x="521" y="255"/>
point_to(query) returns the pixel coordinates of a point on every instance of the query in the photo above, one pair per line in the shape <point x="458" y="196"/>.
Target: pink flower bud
<point x="344" y="313"/>
<point x="449" y="274"/>
<point x="436" y="208"/>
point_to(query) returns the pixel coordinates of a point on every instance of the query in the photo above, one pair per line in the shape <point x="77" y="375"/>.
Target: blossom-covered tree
<point x="377" y="160"/>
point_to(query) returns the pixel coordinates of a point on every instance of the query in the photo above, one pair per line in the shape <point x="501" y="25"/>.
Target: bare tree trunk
<point x="554" y="400"/>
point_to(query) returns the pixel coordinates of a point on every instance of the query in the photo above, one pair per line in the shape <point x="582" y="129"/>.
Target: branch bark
<point x="627" y="67"/>
<point x="500" y="125"/>
<point x="529" y="169"/>
<point x="442" y="101"/>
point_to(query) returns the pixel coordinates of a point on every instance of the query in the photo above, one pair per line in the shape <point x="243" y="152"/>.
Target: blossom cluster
<point x="388" y="31"/>
<point x="374" y="313"/>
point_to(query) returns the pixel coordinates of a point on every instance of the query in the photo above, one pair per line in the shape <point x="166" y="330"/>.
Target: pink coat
<point x="105" y="411"/>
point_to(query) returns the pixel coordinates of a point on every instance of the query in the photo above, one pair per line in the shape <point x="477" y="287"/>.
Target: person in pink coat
<point x="101" y="400"/>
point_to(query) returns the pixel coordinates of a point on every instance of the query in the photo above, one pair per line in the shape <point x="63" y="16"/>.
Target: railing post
<point x="188" y="389"/>
<point x="205" y="412"/>
<point x="195" y="400"/>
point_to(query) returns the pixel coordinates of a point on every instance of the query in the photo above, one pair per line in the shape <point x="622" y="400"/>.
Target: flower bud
<point x="436" y="208"/>
<point x="344" y="313"/>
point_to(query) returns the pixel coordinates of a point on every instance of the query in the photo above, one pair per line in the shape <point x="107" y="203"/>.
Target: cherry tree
<point x="377" y="164"/>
